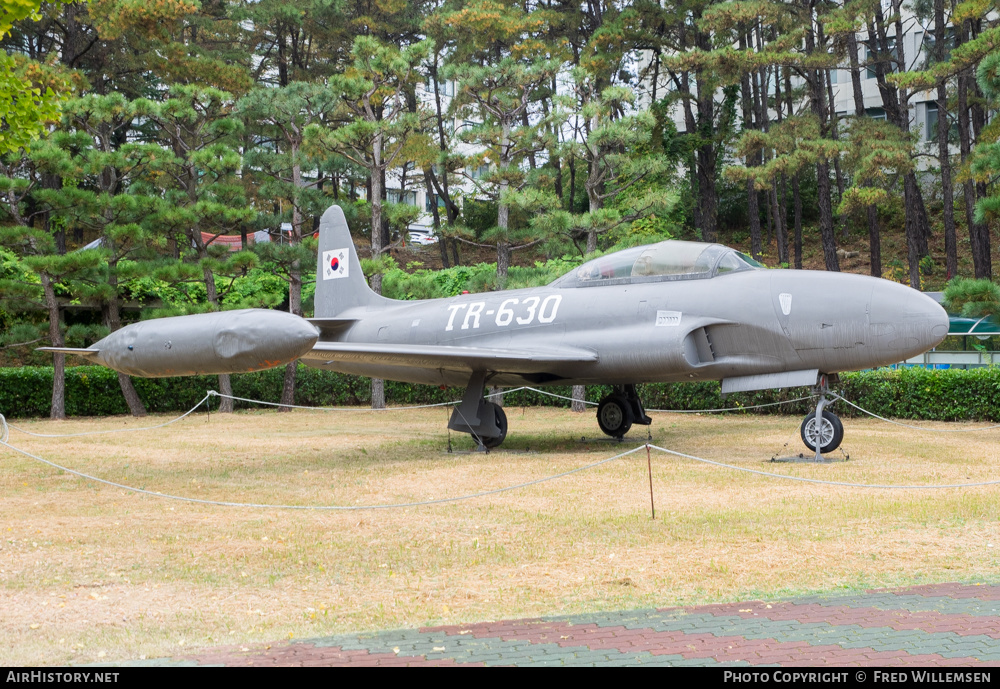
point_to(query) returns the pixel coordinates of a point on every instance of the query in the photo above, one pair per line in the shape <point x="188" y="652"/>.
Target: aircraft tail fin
<point x="340" y="284"/>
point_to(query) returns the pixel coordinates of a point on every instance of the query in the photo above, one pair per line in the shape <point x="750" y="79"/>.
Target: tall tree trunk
<point x="750" y="96"/>
<point x="797" y="210"/>
<point x="782" y="210"/>
<point x="979" y="238"/>
<point x="871" y="212"/>
<point x="58" y="410"/>
<point x="496" y="395"/>
<point x="294" y="306"/>
<point x="114" y="322"/>
<point x="503" y="211"/>
<point x="826" y="215"/>
<point x="436" y="215"/>
<point x="823" y="192"/>
<point x="377" y="171"/>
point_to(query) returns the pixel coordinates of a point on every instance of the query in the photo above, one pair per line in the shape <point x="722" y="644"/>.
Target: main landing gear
<point x="484" y="421"/>
<point x="618" y="411"/>
<point x="822" y="430"/>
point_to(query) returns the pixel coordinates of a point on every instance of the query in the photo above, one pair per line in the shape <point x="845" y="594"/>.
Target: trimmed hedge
<point x="914" y="393"/>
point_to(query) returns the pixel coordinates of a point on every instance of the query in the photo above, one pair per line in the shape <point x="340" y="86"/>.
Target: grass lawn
<point x="93" y="573"/>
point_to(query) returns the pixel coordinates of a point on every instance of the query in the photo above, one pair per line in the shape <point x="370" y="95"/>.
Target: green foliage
<point x="480" y="215"/>
<point x="910" y="393"/>
<point x="972" y="298"/>
<point x="985" y="162"/>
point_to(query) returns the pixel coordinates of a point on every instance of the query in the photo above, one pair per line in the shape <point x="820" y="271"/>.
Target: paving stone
<point x="933" y="625"/>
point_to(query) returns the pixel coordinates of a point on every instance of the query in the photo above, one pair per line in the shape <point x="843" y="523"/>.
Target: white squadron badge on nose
<point x="785" y="299"/>
<point x="335" y="264"/>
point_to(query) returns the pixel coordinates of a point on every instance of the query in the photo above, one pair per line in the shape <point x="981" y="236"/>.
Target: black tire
<point x="832" y="432"/>
<point x="501" y="419"/>
<point x="614" y="415"/>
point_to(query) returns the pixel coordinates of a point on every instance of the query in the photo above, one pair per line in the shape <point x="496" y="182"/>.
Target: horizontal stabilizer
<point x="770" y="381"/>
<point x="435" y="356"/>
<point x="330" y="327"/>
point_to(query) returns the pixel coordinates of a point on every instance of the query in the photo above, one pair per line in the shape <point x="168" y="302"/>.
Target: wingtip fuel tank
<point x="205" y="344"/>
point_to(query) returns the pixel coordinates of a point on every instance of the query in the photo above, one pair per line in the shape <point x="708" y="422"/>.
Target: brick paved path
<point x="937" y="625"/>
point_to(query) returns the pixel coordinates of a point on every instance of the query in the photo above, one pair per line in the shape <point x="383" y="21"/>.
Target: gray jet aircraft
<point x="670" y="312"/>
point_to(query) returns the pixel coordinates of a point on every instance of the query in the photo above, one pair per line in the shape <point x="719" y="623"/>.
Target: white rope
<point x="213" y="393"/>
<point x="113" y="430"/>
<point x="298" y="406"/>
<point x="820" y="481"/>
<point x="221" y="503"/>
<point x="678" y="411"/>
<point x="724" y="409"/>
<point x="918" y="428"/>
<point x="562" y="397"/>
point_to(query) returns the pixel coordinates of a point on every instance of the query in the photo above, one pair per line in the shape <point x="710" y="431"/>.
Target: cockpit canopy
<point x="670" y="260"/>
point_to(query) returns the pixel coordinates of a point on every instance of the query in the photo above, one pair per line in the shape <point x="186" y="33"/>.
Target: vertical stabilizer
<point x="340" y="284"/>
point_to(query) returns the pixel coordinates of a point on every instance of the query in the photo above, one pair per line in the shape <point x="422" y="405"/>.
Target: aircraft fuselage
<point x="737" y="324"/>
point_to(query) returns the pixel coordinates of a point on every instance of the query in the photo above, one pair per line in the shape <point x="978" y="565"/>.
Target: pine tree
<point x="374" y="129"/>
<point x="281" y="117"/>
<point x="195" y="177"/>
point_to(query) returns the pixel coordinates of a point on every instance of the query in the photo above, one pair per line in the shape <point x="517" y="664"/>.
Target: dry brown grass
<point x="91" y="573"/>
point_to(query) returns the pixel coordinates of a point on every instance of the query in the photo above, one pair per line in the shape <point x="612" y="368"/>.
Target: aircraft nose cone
<point x="907" y="322"/>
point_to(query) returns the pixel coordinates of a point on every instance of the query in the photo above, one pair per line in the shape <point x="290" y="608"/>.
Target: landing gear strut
<point x="822" y="430"/>
<point x="618" y="411"/>
<point x="484" y="421"/>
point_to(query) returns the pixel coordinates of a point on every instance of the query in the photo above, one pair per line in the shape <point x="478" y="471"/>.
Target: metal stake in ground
<point x="649" y="466"/>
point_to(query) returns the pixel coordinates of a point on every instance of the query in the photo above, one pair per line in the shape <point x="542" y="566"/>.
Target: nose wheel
<point x="822" y="430"/>
<point x="825" y="435"/>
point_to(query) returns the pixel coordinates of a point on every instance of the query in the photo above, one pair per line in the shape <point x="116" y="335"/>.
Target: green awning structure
<point x="959" y="325"/>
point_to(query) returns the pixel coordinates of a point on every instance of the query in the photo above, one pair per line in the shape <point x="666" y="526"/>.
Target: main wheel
<point x="829" y="435"/>
<point x="614" y="415"/>
<point x="501" y="419"/>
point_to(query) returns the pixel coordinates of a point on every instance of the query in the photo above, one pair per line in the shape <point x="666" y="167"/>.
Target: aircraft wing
<point x="450" y="357"/>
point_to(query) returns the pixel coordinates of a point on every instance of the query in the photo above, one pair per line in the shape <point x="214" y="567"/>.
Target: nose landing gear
<point x="822" y="430"/>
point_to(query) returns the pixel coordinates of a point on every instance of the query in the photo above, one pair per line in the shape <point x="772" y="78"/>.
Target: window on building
<point x="397" y="196"/>
<point x="929" y="45"/>
<point x="444" y="88"/>
<point x="931" y="123"/>
<point x="430" y="199"/>
<point x="889" y="57"/>
<point x="480" y="172"/>
<point x="876" y="113"/>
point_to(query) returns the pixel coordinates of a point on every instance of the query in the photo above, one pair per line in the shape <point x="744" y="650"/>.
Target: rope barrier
<point x="344" y="508"/>
<point x="299" y="406"/>
<point x="113" y="430"/>
<point x="724" y="409"/>
<point x="5" y="431"/>
<point x="820" y="481"/>
<point x="907" y="425"/>
<point x="676" y="411"/>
